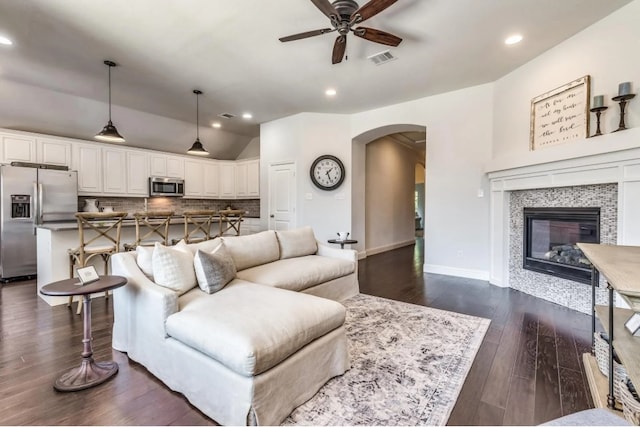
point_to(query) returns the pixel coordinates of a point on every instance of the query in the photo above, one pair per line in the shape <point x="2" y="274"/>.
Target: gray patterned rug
<point x="408" y="364"/>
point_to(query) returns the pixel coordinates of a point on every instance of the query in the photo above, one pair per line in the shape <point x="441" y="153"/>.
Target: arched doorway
<point x="383" y="186"/>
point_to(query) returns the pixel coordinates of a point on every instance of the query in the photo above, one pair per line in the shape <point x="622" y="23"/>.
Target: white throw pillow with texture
<point x="214" y="269"/>
<point x="173" y="268"/>
<point x="297" y="243"/>
<point x="144" y="258"/>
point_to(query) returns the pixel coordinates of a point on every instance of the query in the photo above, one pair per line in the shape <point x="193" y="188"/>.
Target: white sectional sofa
<point x="252" y="351"/>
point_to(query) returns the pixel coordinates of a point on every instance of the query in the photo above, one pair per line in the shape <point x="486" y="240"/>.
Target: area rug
<point x="408" y="364"/>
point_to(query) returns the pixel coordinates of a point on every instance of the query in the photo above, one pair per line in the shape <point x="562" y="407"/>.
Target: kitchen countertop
<point x="73" y="225"/>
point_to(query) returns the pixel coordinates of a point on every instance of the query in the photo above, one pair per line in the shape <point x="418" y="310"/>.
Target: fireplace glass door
<point x="550" y="238"/>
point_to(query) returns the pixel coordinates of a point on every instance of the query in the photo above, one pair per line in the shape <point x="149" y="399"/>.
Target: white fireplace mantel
<point x="621" y="167"/>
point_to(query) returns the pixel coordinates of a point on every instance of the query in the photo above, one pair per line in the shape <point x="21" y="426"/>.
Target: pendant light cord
<point x="197" y="117"/>
<point x="109" y="93"/>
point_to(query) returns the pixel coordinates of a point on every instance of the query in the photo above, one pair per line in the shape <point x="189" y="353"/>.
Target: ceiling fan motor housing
<point x="345" y="8"/>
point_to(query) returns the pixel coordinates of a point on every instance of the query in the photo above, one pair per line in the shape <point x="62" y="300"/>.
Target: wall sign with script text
<point x="560" y="115"/>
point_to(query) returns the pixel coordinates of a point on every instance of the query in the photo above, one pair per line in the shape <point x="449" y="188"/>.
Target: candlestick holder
<point x="622" y="100"/>
<point x="598" y="111"/>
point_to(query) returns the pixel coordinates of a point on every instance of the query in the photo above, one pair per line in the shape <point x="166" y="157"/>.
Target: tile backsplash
<point x="177" y="204"/>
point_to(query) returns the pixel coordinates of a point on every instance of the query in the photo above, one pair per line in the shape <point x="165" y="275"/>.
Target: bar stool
<point x="156" y="224"/>
<point x="197" y="226"/>
<point x="99" y="234"/>
<point x="230" y="219"/>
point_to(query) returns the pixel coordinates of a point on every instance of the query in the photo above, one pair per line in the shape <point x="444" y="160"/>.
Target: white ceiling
<point x="230" y="50"/>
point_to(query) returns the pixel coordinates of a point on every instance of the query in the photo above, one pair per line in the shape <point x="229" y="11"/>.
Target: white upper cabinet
<point x="114" y="171"/>
<point x="166" y="166"/>
<point x="248" y="179"/>
<point x="193" y="178"/>
<point x="241" y="179"/>
<point x="253" y="178"/>
<point x="137" y="173"/>
<point x="17" y="148"/>
<point x="227" y="180"/>
<point x="87" y="160"/>
<point x="211" y="180"/>
<point x="53" y="152"/>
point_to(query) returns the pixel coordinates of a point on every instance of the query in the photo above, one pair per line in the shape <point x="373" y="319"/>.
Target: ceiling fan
<point x="344" y="14"/>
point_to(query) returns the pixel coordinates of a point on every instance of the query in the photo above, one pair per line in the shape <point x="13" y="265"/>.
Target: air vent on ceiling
<point x="226" y="115"/>
<point x="381" y="58"/>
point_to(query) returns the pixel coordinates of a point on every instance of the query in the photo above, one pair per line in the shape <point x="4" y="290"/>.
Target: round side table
<point x="343" y="242"/>
<point x="89" y="373"/>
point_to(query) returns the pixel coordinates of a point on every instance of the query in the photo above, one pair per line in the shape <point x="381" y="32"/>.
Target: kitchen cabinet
<point x="87" y="160"/>
<point x="227" y="180"/>
<point x="211" y="180"/>
<point x="53" y="152"/>
<point x="14" y="148"/>
<point x="166" y="166"/>
<point x="114" y="171"/>
<point x="137" y="173"/>
<point x="193" y="178"/>
<point x="248" y="179"/>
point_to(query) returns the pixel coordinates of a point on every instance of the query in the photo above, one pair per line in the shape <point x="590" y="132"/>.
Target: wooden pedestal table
<point x="89" y="373"/>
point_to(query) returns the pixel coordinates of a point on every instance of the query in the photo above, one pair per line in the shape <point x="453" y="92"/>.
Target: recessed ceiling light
<point x="247" y="116"/>
<point x="330" y="92"/>
<point x="513" y="39"/>
<point x="4" y="40"/>
<point x="216" y="125"/>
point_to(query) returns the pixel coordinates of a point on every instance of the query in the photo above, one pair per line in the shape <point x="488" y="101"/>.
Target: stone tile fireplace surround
<point x="610" y="181"/>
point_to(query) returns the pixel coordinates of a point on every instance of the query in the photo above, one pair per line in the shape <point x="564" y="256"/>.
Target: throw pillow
<point x="144" y="259"/>
<point x="206" y="246"/>
<point x="296" y="243"/>
<point x="214" y="270"/>
<point x="173" y="268"/>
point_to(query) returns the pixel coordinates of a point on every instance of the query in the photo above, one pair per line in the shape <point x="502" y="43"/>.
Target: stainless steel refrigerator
<point x="31" y="196"/>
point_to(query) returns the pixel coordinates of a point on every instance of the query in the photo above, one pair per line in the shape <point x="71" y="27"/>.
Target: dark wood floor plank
<point x="547" y="403"/>
<point x="38" y="342"/>
<point x="521" y="402"/>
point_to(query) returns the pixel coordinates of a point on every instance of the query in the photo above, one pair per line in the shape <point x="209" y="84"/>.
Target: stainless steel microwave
<point x="168" y="187"/>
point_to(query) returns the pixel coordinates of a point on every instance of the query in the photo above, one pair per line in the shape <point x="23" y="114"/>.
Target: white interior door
<point x="282" y="196"/>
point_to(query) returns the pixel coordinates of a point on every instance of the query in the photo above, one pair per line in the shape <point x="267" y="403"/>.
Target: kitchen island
<point x="55" y="239"/>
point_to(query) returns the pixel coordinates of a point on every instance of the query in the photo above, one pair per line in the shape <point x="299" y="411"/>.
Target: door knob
<point x="272" y="216"/>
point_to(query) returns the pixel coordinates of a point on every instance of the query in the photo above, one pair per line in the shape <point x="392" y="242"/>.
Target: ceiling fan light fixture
<point x="109" y="133"/>
<point x="197" y="149"/>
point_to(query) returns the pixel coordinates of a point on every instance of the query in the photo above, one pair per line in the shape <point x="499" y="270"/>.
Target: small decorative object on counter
<point x="91" y="205"/>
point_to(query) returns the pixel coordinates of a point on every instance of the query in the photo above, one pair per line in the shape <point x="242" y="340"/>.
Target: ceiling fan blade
<point x="339" y="48"/>
<point x="370" y="9"/>
<point x="328" y="9"/>
<point x="306" y="34"/>
<point x="377" y="36"/>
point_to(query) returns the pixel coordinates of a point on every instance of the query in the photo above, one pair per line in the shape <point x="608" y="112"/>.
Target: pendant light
<point x="109" y="133"/>
<point x="197" y="148"/>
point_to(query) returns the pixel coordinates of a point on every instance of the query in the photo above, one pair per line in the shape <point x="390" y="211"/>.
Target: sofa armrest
<point x="331" y="252"/>
<point x="141" y="307"/>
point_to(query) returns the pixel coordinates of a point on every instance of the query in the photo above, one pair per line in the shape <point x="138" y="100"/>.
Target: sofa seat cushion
<point x="298" y="274"/>
<point x="250" y="328"/>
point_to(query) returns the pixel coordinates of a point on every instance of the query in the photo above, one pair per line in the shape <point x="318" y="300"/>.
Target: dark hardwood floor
<point x="527" y="371"/>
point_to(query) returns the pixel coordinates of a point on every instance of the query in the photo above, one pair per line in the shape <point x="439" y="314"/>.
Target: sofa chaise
<point x="256" y="347"/>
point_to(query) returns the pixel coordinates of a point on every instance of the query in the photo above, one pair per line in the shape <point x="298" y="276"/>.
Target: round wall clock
<point x="327" y="172"/>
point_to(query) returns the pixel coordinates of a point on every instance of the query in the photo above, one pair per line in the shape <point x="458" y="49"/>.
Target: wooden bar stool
<point x="156" y="225"/>
<point x="99" y="234"/>
<point x="197" y="226"/>
<point x="230" y="219"/>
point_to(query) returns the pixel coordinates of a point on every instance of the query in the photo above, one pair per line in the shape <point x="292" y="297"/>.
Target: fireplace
<point x="550" y="237"/>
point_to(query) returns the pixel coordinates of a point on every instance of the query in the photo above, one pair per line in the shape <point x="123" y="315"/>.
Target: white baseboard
<point x="362" y="255"/>
<point x="391" y="247"/>
<point x="458" y="272"/>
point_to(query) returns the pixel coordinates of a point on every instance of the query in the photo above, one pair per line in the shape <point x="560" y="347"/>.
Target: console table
<point x="620" y="265"/>
<point x="89" y="373"/>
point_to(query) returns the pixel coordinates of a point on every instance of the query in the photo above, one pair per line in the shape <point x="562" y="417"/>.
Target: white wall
<point x="34" y="109"/>
<point x="390" y="201"/>
<point x="251" y="151"/>
<point x="302" y="138"/>
<point x="607" y="51"/>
